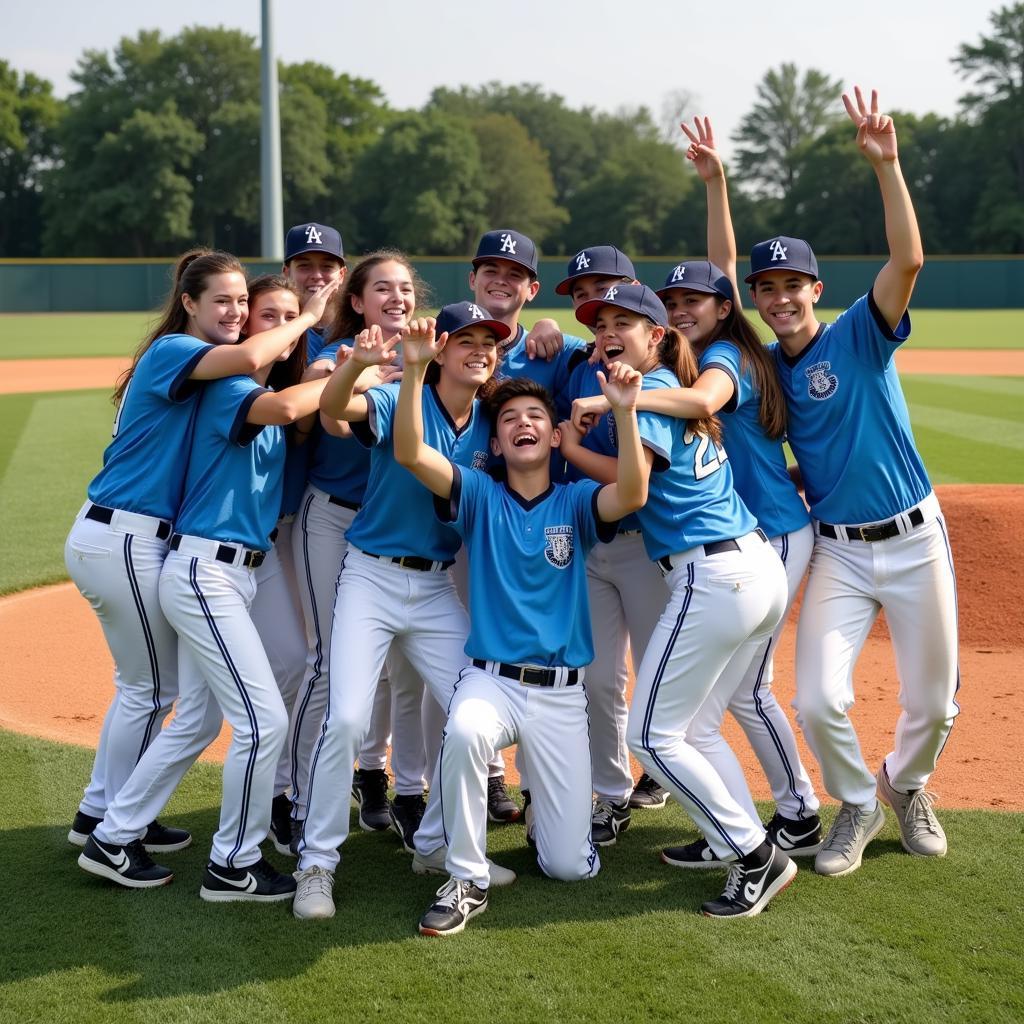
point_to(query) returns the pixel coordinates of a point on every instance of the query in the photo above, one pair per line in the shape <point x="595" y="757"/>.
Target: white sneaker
<point x="313" y="896"/>
<point x="433" y="864"/>
<point x="844" y="845"/>
<point x="920" y="831"/>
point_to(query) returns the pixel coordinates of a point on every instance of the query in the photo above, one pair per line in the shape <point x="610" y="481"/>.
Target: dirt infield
<point x="23" y="375"/>
<point x="59" y="670"/>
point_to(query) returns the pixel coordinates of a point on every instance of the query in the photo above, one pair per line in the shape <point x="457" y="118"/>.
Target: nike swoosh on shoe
<point x="247" y="884"/>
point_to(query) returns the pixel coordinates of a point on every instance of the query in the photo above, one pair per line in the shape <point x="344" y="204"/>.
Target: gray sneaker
<point x="844" y="845"/>
<point x="314" y="895"/>
<point x="434" y="864"/>
<point x="920" y="831"/>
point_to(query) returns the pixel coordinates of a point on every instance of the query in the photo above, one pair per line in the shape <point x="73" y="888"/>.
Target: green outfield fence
<point x="93" y="286"/>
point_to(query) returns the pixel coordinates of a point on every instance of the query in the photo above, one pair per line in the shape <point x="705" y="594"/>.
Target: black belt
<point x="102" y="514"/>
<point x="226" y="553"/>
<point x="714" y="548"/>
<point x="877" y="531"/>
<point x="343" y="503"/>
<point x="530" y="676"/>
<point x="413" y="562"/>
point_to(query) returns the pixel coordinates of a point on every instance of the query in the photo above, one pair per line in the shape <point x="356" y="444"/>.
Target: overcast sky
<point x="595" y="53"/>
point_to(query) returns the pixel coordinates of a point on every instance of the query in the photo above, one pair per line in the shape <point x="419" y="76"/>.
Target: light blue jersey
<point x="235" y="469"/>
<point x="848" y="421"/>
<point x="340" y="466"/>
<point x="315" y="345"/>
<point x="143" y="469"/>
<point x="602" y="438"/>
<point x="527" y="568"/>
<point x="690" y="499"/>
<point x="758" y="462"/>
<point x="553" y="375"/>
<point x="397" y="517"/>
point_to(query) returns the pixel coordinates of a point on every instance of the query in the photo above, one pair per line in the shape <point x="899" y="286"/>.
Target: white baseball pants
<point x="911" y="577"/>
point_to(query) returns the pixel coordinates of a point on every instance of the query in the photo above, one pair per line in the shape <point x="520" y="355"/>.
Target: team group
<point x="346" y="529"/>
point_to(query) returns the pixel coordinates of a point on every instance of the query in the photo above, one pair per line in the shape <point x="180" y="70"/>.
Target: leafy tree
<point x="29" y="114"/>
<point x="790" y="111"/>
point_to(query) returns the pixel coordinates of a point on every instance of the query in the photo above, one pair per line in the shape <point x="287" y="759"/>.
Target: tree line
<point x="158" y="148"/>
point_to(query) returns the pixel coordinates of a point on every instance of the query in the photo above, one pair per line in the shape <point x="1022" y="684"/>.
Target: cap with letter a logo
<point x="312" y="237"/>
<point x="457" y="316"/>
<point x="603" y="260"/>
<point x="506" y="244"/>
<point x="782" y="253"/>
<point x="637" y="298"/>
<point x="698" y="276"/>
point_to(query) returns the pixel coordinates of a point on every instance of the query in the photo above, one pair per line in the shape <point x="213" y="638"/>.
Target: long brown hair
<point x="737" y="329"/>
<point x="674" y="351"/>
<point x="288" y="373"/>
<point x="347" y="323"/>
<point x="192" y="271"/>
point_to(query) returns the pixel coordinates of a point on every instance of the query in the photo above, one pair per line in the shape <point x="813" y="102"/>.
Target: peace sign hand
<point x="370" y="349"/>
<point x="701" y="152"/>
<point x="876" y="133"/>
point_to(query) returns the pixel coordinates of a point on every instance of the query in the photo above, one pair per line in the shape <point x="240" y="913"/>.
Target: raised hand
<point x="876" y="133"/>
<point x="544" y="340"/>
<point x="370" y="348"/>
<point x="701" y="152"/>
<point x="419" y="344"/>
<point x="316" y="304"/>
<point x="621" y="386"/>
<point x="587" y="411"/>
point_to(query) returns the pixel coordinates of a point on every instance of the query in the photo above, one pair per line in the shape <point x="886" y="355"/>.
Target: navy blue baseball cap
<point x="605" y="260"/>
<point x="637" y="298"/>
<point x="459" y="315"/>
<point x="698" y="276"/>
<point x="506" y="244"/>
<point x="782" y="253"/>
<point x="313" y="237"/>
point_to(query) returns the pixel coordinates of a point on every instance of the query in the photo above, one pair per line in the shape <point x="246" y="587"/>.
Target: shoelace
<point x="139" y="855"/>
<point x="603" y="812"/>
<point x="733" y="882"/>
<point x="844" y="831"/>
<point x="920" y="814"/>
<point x="317" y="881"/>
<point x="450" y="894"/>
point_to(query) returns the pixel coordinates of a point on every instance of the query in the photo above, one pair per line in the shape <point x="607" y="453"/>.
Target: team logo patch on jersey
<point x="820" y="383"/>
<point x="479" y="460"/>
<point x="559" y="545"/>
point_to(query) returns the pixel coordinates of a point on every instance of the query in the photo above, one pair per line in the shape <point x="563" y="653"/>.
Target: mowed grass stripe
<point x="969" y="396"/>
<point x="903" y="939"/>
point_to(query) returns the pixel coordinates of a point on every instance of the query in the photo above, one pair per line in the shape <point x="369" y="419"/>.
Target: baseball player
<point x="381" y="291"/>
<point x="118" y="543"/>
<point x="626" y="591"/>
<point x="727" y="594"/>
<point x="880" y="539"/>
<point x="229" y="508"/>
<point x="393" y="588"/>
<point x="528" y="541"/>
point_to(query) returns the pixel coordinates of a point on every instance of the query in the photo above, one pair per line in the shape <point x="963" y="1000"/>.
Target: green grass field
<point x="901" y="940"/>
<point x="60" y="335"/>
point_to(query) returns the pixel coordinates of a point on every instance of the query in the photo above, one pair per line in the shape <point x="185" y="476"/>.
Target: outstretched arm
<point x="704" y="156"/>
<point x="629" y="492"/>
<point x="876" y="136"/>
<point x="427" y="464"/>
<point x="339" y="404"/>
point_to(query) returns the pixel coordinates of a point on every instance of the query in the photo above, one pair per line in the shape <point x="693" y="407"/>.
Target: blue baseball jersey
<point x="690" y="499"/>
<point x="235" y="469"/>
<point x="340" y="466"/>
<point x="553" y="375"/>
<point x="315" y="345"/>
<point x="758" y="462"/>
<point x="296" y="472"/>
<point x="397" y="517"/>
<point x="602" y="438"/>
<point x="143" y="466"/>
<point x="527" y="568"/>
<point x="848" y="421"/>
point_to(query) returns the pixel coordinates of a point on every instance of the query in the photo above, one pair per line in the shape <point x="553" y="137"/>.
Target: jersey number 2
<point x="702" y="465"/>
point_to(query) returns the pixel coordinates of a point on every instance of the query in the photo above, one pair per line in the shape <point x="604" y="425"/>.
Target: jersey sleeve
<point x="592" y="529"/>
<point x="459" y="511"/>
<point x="172" y="359"/>
<point x="725" y="356"/>
<point x="237" y="400"/>
<point x="381" y="402"/>
<point x="321" y="351"/>
<point x="866" y="333"/>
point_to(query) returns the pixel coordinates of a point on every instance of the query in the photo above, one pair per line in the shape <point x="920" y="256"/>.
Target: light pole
<point x="271" y="218"/>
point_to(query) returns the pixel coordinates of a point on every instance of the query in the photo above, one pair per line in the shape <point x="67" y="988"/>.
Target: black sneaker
<point x="81" y="828"/>
<point x="693" y="855"/>
<point x="799" y="837"/>
<point x="293" y="846"/>
<point x="164" y="839"/>
<point x="370" y="792"/>
<point x="260" y="882"/>
<point x="648" y="794"/>
<point x="456" y="903"/>
<point x="531" y="839"/>
<point x="128" y="865"/>
<point x="752" y="882"/>
<point x="500" y="806"/>
<point x="608" y="820"/>
<point x="406" y="813"/>
<point x="281" y="824"/>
